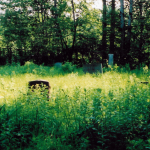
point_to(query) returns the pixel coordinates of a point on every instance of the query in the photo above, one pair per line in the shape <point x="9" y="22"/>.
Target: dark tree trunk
<point x="112" y="33"/>
<point x="57" y="26"/>
<point x="129" y="31"/>
<point x="104" y="43"/>
<point x="140" y="57"/>
<point x="122" y="26"/>
<point x="74" y="30"/>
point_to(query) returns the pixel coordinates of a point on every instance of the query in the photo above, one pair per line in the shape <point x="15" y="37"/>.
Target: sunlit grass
<point x="12" y="86"/>
<point x="94" y="103"/>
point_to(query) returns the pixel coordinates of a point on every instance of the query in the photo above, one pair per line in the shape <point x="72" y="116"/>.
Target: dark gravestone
<point x="144" y="82"/>
<point x="92" y="68"/>
<point x="110" y="59"/>
<point x="43" y="84"/>
<point x="58" y="64"/>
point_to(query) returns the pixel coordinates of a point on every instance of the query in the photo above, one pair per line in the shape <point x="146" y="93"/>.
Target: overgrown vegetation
<point x="86" y="111"/>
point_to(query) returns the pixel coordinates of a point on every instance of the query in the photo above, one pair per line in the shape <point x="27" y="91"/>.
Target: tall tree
<point x="74" y="29"/>
<point x="16" y="31"/>
<point x="129" y="30"/>
<point x="59" y="8"/>
<point x="122" y="26"/>
<point x="141" y="17"/>
<point x="112" y="32"/>
<point x="104" y="42"/>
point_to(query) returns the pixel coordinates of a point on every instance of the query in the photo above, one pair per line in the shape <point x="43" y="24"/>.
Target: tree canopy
<point x="49" y="31"/>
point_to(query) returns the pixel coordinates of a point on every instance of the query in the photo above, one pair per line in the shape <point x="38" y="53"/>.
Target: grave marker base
<point x="36" y="84"/>
<point x="92" y="68"/>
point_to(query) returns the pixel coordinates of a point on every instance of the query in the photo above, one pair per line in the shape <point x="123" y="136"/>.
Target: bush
<point x="68" y="67"/>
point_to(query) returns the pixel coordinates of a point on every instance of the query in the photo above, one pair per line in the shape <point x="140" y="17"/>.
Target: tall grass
<point x="86" y="111"/>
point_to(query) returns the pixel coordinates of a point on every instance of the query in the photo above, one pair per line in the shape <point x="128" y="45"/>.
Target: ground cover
<point x="98" y="111"/>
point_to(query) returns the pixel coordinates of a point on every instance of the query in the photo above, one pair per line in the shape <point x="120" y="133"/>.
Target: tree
<point x="129" y="31"/>
<point x="139" y="36"/>
<point x="141" y="18"/>
<point x="122" y="26"/>
<point x="16" y="32"/>
<point x="74" y="29"/>
<point x="61" y="30"/>
<point x="104" y="42"/>
<point x="112" y="32"/>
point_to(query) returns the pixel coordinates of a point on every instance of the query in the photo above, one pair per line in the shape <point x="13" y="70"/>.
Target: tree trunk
<point x="55" y="5"/>
<point x="74" y="30"/>
<point x="129" y="30"/>
<point x="112" y="34"/>
<point x="57" y="26"/>
<point x="141" y="33"/>
<point x="104" y="45"/>
<point x="122" y="26"/>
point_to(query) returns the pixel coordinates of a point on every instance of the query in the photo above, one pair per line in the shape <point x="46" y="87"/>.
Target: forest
<point x="49" y="31"/>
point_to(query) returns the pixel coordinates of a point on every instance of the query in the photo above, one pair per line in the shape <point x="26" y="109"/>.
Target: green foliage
<point x="68" y="67"/>
<point x="108" y="111"/>
<point x="41" y="34"/>
<point x="50" y="34"/>
<point x="31" y="68"/>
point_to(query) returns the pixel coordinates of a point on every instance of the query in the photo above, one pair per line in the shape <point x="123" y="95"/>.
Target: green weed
<point x="99" y="111"/>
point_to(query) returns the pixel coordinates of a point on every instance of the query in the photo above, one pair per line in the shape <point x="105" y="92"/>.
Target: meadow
<point x="109" y="111"/>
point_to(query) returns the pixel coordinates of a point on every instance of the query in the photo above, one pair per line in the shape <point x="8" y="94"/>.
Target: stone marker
<point x="110" y="59"/>
<point x="36" y="84"/>
<point x="145" y="82"/>
<point x="92" y="68"/>
<point x="58" y="64"/>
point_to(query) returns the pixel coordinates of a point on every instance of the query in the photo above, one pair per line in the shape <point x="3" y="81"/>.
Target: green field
<point x="86" y="111"/>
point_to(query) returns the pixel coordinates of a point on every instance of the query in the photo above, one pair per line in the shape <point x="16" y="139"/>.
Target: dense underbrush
<point x="88" y="112"/>
<point x="41" y="70"/>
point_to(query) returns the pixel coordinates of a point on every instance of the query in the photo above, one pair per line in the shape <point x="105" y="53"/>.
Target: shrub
<point x="68" y="67"/>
